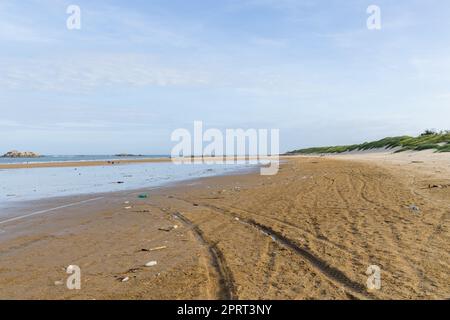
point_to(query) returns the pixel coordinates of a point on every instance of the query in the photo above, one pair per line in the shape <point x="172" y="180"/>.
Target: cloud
<point x="13" y="32"/>
<point x="63" y="60"/>
<point x="18" y="27"/>
<point x="129" y="25"/>
<point x="87" y="72"/>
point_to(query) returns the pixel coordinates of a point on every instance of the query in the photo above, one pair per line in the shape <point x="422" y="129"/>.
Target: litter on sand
<point x="151" y="263"/>
<point x="168" y="229"/>
<point x="154" y="249"/>
<point x="158" y="248"/>
<point x="143" y="196"/>
<point x="439" y="186"/>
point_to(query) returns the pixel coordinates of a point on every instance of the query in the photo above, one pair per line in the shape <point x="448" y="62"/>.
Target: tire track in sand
<point x="227" y="290"/>
<point x="353" y="288"/>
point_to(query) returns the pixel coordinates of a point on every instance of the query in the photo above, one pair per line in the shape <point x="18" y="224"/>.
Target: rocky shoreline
<point x="128" y="155"/>
<point x="19" y="154"/>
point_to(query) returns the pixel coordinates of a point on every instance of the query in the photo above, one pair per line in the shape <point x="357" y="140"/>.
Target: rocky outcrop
<point x="18" y="154"/>
<point x="128" y="155"/>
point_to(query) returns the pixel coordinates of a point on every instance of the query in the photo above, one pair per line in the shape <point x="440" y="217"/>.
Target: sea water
<point x="17" y="185"/>
<point x="75" y="158"/>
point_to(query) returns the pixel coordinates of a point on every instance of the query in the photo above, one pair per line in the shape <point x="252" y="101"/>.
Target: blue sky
<point x="137" y="70"/>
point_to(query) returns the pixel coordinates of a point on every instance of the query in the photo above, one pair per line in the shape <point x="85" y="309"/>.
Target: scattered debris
<point x="195" y="204"/>
<point x="416" y="161"/>
<point x="414" y="208"/>
<point x="142" y="211"/>
<point x="151" y="264"/>
<point x="126" y="202"/>
<point x="158" y="248"/>
<point x="124" y="279"/>
<point x="440" y="186"/>
<point x="59" y="283"/>
<point x="168" y="228"/>
<point x="128" y="208"/>
<point x="237" y="219"/>
<point x="143" y="196"/>
<point x="120" y="182"/>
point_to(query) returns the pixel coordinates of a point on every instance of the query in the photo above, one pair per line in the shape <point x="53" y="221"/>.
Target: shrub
<point x="428" y="132"/>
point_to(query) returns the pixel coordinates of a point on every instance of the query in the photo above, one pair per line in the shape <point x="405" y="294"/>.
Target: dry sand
<point x="309" y="232"/>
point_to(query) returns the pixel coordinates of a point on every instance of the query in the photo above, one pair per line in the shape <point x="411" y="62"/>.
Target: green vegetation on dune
<point x="439" y="141"/>
<point x="445" y="148"/>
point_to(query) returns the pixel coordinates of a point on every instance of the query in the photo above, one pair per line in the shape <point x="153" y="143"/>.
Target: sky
<point x="138" y="70"/>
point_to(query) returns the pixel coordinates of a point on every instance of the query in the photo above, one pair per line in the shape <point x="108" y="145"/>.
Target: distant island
<point x="438" y="141"/>
<point x="18" y="154"/>
<point x="128" y="155"/>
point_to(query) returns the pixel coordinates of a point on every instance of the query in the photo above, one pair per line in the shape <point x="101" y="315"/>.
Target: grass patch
<point x="426" y="146"/>
<point x="439" y="141"/>
<point x="445" y="148"/>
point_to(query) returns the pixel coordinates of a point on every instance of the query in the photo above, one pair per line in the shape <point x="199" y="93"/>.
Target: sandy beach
<point x="69" y="164"/>
<point x="118" y="162"/>
<point x="309" y="232"/>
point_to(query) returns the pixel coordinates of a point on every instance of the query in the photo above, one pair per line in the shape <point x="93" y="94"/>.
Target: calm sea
<point x="18" y="185"/>
<point x="70" y="158"/>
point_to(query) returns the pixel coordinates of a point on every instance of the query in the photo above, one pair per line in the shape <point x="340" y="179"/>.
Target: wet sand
<point x="115" y="162"/>
<point x="309" y="232"/>
<point x="70" y="164"/>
